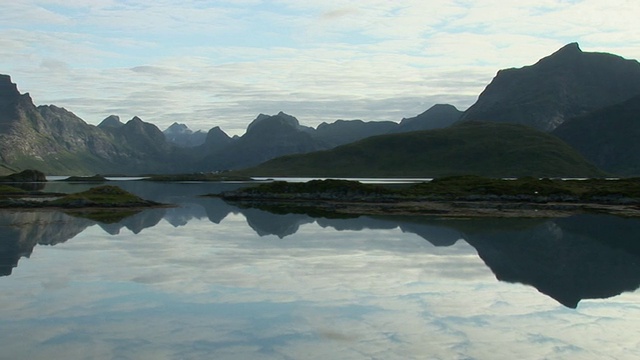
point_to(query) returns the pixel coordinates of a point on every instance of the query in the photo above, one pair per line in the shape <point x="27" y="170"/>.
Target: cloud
<point x="221" y="63"/>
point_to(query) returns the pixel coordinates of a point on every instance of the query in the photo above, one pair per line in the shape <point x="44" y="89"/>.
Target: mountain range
<point x="587" y="100"/>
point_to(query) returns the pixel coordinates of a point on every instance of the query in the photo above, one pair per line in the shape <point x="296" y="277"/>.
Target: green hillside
<point x="486" y="149"/>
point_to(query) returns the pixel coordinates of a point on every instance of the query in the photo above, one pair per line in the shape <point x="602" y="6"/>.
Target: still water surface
<point x="210" y="280"/>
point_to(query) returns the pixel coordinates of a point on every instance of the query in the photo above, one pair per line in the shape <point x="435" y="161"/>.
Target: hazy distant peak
<point x="177" y="128"/>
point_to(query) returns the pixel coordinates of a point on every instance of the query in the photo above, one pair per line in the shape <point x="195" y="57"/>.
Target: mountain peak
<point x="573" y="47"/>
<point x="8" y="90"/>
<point x="281" y="119"/>
<point x="568" y="53"/>
<point x="177" y="128"/>
<point x="563" y="85"/>
<point x="111" y="121"/>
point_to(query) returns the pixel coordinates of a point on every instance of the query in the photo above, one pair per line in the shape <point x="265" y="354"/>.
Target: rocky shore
<point x="475" y="197"/>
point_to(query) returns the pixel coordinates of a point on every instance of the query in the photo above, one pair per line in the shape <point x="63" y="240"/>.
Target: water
<point x="210" y="280"/>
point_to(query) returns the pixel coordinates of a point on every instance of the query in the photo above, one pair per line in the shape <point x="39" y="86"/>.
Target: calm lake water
<point x="210" y="280"/>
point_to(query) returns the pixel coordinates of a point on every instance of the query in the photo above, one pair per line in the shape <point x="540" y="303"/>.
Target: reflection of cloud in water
<point x="203" y="290"/>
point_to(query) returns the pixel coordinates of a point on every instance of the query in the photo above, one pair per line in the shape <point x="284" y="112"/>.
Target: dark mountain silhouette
<point x="437" y="117"/>
<point x="559" y="261"/>
<point x="343" y="132"/>
<point x="216" y="140"/>
<point x="566" y="84"/>
<point x="607" y="137"/>
<point x="267" y="137"/>
<point x="488" y="149"/>
<point x="111" y="121"/>
<point x="181" y="135"/>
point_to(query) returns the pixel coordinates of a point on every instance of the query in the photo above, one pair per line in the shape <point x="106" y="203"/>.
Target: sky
<point x="221" y="63"/>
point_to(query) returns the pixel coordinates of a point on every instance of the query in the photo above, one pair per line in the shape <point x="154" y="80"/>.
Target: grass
<point x="106" y="195"/>
<point x="485" y="149"/>
<point x="197" y="177"/>
<point x="10" y="190"/>
<point x="453" y="187"/>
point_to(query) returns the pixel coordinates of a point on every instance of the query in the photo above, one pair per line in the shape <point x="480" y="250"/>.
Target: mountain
<point x="488" y="149"/>
<point x="343" y="132"/>
<point x="607" y="137"/>
<point x="566" y="84"/>
<point x="56" y="141"/>
<point x="47" y="138"/>
<point x="216" y="140"/>
<point x="267" y="137"/>
<point x="437" y="117"/>
<point x="111" y="121"/>
<point x="181" y="135"/>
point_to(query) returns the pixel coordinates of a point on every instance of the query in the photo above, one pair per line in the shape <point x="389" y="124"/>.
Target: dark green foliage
<point x="334" y="187"/>
<point x="10" y="190"/>
<point x="24" y="176"/>
<point x="107" y="195"/>
<point x="94" y="178"/>
<point x="589" y="189"/>
<point x="197" y="177"/>
<point x="469" y="187"/>
<point x="487" y="149"/>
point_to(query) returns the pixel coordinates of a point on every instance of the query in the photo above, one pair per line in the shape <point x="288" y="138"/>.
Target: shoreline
<point x="440" y="208"/>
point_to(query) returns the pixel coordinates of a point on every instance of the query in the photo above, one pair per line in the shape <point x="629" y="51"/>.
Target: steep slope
<point x="488" y="149"/>
<point x="563" y="85"/>
<point x="607" y="137"/>
<point x="436" y="117"/>
<point x="56" y="141"/>
<point x="47" y="138"/>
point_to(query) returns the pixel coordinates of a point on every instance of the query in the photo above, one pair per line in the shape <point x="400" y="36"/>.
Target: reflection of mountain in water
<point x="137" y="222"/>
<point x="265" y="223"/>
<point x="569" y="259"/>
<point x="21" y="231"/>
<point x="567" y="265"/>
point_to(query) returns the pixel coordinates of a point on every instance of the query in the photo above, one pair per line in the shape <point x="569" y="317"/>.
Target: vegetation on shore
<point x="104" y="197"/>
<point x="197" y="177"/>
<point x="485" y="149"/>
<point x="90" y="179"/>
<point x="457" y="196"/>
<point x="467" y="187"/>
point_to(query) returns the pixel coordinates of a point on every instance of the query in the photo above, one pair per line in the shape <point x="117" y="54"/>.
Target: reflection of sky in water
<point x="205" y="290"/>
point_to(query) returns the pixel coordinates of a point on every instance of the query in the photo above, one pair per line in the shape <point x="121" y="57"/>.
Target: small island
<point x="456" y="196"/>
<point x="100" y="197"/>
